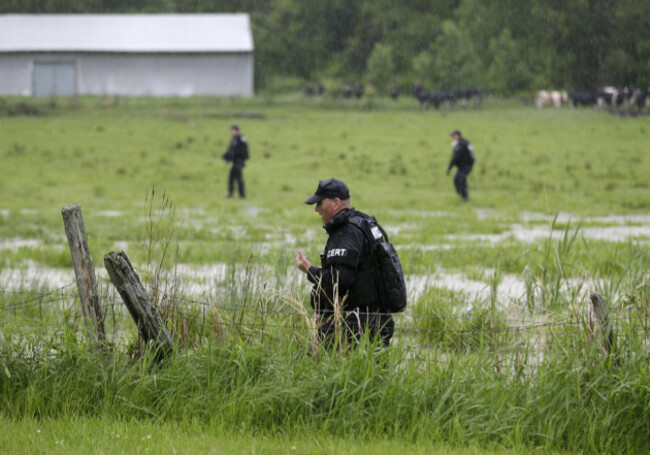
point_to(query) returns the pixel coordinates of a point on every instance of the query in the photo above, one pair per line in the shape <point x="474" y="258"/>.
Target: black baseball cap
<point x="234" y="127"/>
<point x="332" y="188"/>
<point x="455" y="132"/>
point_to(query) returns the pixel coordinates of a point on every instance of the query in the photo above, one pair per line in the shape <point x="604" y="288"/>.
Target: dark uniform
<point x="463" y="158"/>
<point x="237" y="154"/>
<point x="347" y="273"/>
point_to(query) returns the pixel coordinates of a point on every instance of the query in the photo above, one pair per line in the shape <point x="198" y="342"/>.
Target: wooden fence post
<point x="138" y="302"/>
<point x="606" y="328"/>
<point x="84" y="269"/>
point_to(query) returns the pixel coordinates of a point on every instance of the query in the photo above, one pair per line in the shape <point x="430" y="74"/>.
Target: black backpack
<point x="391" y="286"/>
<point x="466" y="157"/>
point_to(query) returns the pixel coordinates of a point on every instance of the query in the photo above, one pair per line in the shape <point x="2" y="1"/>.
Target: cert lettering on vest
<point x="337" y="252"/>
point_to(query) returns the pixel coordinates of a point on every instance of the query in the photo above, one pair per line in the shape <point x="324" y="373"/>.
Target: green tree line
<point x="503" y="46"/>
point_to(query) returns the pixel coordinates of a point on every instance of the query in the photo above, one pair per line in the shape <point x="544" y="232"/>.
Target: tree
<point x="642" y="67"/>
<point x="507" y="71"/>
<point x="632" y="23"/>
<point x="587" y="41"/>
<point x="455" y="63"/>
<point x="423" y="68"/>
<point x="380" y="70"/>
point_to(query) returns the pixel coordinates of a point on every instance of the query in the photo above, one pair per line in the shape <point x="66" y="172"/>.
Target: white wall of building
<point x="226" y="74"/>
<point x="16" y="75"/>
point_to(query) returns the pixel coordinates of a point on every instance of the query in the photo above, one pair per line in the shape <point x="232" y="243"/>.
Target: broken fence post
<point x="606" y="329"/>
<point x="84" y="268"/>
<point x="138" y="302"/>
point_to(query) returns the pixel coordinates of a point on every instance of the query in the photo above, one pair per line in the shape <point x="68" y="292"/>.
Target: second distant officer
<point x="237" y="154"/>
<point x="463" y="158"/>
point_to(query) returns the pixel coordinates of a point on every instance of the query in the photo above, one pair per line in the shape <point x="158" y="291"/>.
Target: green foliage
<point x="423" y="68"/>
<point x="380" y="68"/>
<point x="451" y="320"/>
<point x="558" y="401"/>
<point x="507" y="72"/>
<point x="455" y="63"/>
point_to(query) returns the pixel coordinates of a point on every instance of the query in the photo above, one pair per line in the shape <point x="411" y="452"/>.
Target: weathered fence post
<point x="84" y="268"/>
<point x="138" y="302"/>
<point x="606" y="329"/>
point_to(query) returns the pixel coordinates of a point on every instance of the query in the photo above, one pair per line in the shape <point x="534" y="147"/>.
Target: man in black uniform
<point x="347" y="276"/>
<point x="237" y="154"/>
<point x="463" y="158"/>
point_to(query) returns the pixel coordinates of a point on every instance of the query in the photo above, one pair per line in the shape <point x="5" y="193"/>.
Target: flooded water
<point x="510" y="287"/>
<point x="209" y="280"/>
<point x="17" y="243"/>
<point x="529" y="234"/>
<point x="564" y="217"/>
<point x="33" y="276"/>
<point x="625" y="227"/>
<point x="110" y="213"/>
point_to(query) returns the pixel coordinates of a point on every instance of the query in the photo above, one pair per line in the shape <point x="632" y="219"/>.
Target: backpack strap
<point x="381" y="229"/>
<point x="359" y="222"/>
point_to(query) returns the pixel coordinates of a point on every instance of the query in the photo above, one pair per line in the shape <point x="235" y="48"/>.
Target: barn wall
<point x="15" y="75"/>
<point x="166" y="75"/>
<point x="139" y="74"/>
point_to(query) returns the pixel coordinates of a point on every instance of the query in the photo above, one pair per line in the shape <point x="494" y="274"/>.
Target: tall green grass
<point x="569" y="400"/>
<point x="480" y="379"/>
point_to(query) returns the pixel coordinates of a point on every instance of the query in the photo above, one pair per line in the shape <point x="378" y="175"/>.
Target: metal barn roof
<point x="157" y="33"/>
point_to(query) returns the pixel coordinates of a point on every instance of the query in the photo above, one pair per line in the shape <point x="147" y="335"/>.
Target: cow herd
<point x="447" y="98"/>
<point x="625" y="99"/>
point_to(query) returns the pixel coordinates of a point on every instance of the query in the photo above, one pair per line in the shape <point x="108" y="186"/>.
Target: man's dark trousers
<point x="460" y="181"/>
<point x="355" y="323"/>
<point x="236" y="176"/>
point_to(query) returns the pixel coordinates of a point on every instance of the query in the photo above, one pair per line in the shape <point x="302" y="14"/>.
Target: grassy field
<point x="107" y="436"/>
<point x="494" y="353"/>
<point x="109" y="158"/>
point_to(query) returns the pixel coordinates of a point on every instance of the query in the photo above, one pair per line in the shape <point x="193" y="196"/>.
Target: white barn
<point x="126" y="54"/>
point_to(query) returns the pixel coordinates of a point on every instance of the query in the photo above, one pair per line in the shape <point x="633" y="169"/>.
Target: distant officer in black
<point x="463" y="158"/>
<point x="237" y="154"/>
<point x="347" y="274"/>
